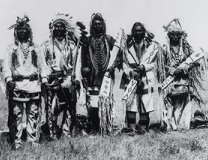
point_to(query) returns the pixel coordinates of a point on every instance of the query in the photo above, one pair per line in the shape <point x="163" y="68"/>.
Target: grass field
<point x="188" y="145"/>
<point x="154" y="145"/>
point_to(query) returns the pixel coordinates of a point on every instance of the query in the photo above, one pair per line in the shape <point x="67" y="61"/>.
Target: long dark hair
<point x="148" y="35"/>
<point x="137" y="24"/>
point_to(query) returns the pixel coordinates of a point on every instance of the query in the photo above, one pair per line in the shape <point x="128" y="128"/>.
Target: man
<point x="181" y="92"/>
<point x="22" y="70"/>
<point x="61" y="56"/>
<point x="95" y="58"/>
<point x="139" y="64"/>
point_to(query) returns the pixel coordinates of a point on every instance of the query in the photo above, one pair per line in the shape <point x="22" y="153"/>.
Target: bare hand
<point x="10" y="85"/>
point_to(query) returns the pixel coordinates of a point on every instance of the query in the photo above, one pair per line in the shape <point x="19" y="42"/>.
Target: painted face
<point x="174" y="37"/>
<point x="23" y="33"/>
<point x="138" y="33"/>
<point x="98" y="26"/>
<point x="59" y="30"/>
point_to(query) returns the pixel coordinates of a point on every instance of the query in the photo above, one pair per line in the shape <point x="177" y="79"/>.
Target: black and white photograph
<point x="103" y="80"/>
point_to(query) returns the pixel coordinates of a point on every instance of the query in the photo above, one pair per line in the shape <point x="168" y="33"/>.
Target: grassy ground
<point x="188" y="145"/>
<point x="192" y="144"/>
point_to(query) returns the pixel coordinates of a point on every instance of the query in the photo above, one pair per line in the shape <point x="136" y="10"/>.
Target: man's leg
<point x="131" y="119"/>
<point x="66" y="119"/>
<point x="15" y="123"/>
<point x="93" y="113"/>
<point x="69" y="120"/>
<point x="144" y="121"/>
<point x="32" y="112"/>
<point x="69" y="113"/>
<point x="179" y="107"/>
<point x="52" y="116"/>
<point x="94" y="119"/>
<point x="185" y="120"/>
<point x="170" y="119"/>
<point x="72" y="110"/>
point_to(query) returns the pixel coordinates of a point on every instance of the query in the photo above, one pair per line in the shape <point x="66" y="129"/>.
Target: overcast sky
<point x="117" y="14"/>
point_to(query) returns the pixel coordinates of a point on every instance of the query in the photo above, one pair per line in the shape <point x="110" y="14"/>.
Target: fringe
<point x="105" y="106"/>
<point x="105" y="115"/>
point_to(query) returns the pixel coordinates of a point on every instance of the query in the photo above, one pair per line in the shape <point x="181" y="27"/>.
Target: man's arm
<point x="85" y="69"/>
<point x="8" y="64"/>
<point x="111" y="41"/>
<point x="44" y="68"/>
<point x="7" y="70"/>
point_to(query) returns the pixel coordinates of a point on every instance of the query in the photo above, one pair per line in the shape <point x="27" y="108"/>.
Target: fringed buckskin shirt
<point x="24" y="65"/>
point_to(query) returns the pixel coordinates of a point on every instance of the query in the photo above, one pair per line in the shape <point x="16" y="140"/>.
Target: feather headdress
<point x="20" y="21"/>
<point x="72" y="29"/>
<point x="175" y="26"/>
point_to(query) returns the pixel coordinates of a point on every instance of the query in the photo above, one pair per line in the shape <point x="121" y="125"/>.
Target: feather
<point x="83" y="38"/>
<point x="12" y="26"/>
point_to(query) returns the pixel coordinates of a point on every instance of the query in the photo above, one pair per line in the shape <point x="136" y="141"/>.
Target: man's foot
<point x="66" y="136"/>
<point x="126" y="130"/>
<point x="17" y="146"/>
<point x="93" y="134"/>
<point x="173" y="125"/>
<point x="147" y="128"/>
<point x="140" y="130"/>
<point x="53" y="138"/>
<point x="35" y="144"/>
<point x="84" y="133"/>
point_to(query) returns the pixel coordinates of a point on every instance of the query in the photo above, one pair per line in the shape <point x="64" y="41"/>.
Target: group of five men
<point x="57" y="70"/>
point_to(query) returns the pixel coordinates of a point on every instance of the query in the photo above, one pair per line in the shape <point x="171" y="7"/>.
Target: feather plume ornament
<point x="173" y="25"/>
<point x="83" y="38"/>
<point x="19" y="21"/>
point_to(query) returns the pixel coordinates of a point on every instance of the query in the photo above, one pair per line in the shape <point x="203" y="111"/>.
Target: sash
<point x="130" y="89"/>
<point x="132" y="57"/>
<point x="150" y="54"/>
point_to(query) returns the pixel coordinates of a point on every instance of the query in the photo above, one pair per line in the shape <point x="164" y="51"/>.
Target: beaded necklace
<point x="99" y="53"/>
<point x="25" y="50"/>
